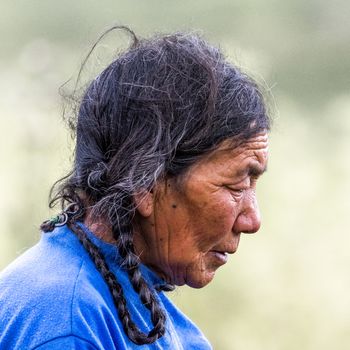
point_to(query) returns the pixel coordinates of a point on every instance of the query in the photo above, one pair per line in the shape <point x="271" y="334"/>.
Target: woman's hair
<point x="152" y="113"/>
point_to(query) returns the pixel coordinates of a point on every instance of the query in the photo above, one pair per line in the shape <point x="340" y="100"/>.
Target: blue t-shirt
<point x="53" y="297"/>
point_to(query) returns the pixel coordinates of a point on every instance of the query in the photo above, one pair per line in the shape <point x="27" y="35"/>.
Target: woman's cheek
<point x="226" y="210"/>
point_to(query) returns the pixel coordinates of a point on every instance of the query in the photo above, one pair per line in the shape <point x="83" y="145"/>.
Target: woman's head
<point x="152" y="113"/>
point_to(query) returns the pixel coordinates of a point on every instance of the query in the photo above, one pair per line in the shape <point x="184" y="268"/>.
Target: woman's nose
<point x="249" y="220"/>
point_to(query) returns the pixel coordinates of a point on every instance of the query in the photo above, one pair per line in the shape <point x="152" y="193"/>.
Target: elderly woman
<point x="170" y="142"/>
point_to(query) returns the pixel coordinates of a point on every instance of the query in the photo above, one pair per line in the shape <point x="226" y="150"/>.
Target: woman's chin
<point x="200" y="280"/>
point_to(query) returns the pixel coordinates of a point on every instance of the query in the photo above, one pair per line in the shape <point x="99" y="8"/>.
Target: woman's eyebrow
<point x="252" y="170"/>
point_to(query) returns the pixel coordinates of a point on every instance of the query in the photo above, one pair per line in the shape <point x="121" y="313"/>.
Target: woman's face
<point x="186" y="229"/>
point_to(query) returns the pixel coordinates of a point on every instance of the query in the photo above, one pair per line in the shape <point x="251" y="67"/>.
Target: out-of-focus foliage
<point x="288" y="286"/>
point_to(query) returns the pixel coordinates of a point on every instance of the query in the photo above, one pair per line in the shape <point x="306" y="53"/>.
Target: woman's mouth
<point x="221" y="257"/>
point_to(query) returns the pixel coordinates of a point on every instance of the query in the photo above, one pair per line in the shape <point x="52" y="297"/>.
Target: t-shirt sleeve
<point x="69" y="342"/>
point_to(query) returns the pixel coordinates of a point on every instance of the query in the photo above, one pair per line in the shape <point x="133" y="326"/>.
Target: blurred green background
<point x="288" y="286"/>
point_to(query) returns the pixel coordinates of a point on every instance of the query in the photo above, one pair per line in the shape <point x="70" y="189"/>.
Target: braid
<point x="131" y="262"/>
<point x="134" y="334"/>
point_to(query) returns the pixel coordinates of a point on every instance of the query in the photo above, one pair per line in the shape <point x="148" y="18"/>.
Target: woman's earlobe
<point x="144" y="202"/>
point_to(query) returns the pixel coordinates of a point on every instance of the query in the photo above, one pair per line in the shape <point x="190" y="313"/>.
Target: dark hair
<point x="157" y="108"/>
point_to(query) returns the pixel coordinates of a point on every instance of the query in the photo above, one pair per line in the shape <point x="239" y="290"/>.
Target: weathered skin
<point x="183" y="228"/>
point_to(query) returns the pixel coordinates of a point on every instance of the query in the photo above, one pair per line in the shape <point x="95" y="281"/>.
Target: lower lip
<point x="220" y="257"/>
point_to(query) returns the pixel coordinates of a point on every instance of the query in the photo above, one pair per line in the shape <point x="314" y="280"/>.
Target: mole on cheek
<point x="174" y="206"/>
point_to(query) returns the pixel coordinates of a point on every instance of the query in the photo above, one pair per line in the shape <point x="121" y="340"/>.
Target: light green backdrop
<point x="288" y="286"/>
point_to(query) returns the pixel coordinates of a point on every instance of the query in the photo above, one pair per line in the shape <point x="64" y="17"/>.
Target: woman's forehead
<point x="230" y="149"/>
<point x="248" y="159"/>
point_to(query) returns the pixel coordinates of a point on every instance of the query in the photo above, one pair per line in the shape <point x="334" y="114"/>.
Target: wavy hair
<point x="157" y="108"/>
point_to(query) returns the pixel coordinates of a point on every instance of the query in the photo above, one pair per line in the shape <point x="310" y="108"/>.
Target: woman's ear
<point x="144" y="201"/>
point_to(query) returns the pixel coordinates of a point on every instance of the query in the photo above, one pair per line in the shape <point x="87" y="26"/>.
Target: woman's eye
<point x="237" y="191"/>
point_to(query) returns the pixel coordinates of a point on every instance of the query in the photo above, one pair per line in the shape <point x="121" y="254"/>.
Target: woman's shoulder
<point x="53" y="263"/>
<point x="49" y="291"/>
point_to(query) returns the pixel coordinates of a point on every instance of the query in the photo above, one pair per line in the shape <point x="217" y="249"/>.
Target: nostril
<point x="250" y="231"/>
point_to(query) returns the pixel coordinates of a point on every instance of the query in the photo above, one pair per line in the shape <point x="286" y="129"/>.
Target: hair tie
<point x="61" y="219"/>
